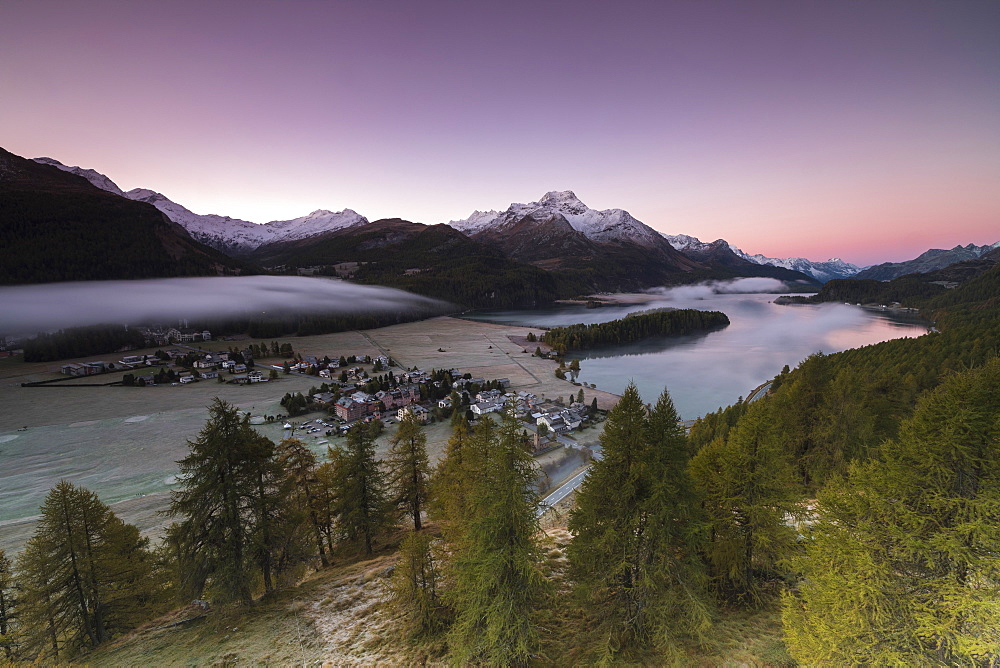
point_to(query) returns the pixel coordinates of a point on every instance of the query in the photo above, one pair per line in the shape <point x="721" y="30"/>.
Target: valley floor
<point x="123" y="442"/>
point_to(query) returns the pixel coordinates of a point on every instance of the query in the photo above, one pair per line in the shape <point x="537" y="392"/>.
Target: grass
<point x="342" y="616"/>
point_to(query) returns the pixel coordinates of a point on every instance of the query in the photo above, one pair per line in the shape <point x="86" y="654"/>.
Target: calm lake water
<point x="706" y="372"/>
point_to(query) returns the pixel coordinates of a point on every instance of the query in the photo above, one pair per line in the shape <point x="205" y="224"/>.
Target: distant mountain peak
<point x="821" y="271"/>
<point x="611" y="225"/>
<point x="96" y="178"/>
<point x="928" y="261"/>
<point x="564" y="199"/>
<point x="230" y="235"/>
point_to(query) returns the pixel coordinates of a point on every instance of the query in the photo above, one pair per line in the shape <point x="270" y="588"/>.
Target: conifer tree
<point x="450" y="484"/>
<point x="498" y="585"/>
<point x="225" y="506"/>
<point x="750" y="489"/>
<point x="678" y="530"/>
<point x="361" y="503"/>
<point x="416" y="585"/>
<point x="636" y="528"/>
<point x="409" y="468"/>
<point x="901" y="565"/>
<point x="86" y="576"/>
<point x="300" y="469"/>
<point x="8" y="608"/>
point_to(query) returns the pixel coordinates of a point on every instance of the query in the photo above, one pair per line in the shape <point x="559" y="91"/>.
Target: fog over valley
<point x="28" y="309"/>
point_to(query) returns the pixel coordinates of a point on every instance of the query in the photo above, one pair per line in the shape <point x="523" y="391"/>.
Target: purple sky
<point x="866" y="130"/>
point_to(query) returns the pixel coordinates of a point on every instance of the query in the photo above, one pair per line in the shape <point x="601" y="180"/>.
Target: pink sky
<point x="868" y="131"/>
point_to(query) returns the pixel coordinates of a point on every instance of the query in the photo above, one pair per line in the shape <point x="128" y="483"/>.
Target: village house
<point x="256" y="377"/>
<point x="445" y="403"/>
<point x="74" y="369"/>
<point x="349" y="409"/>
<point x="210" y="373"/>
<point x="323" y="398"/>
<point x="484" y="407"/>
<point x="132" y="361"/>
<point x="421" y="414"/>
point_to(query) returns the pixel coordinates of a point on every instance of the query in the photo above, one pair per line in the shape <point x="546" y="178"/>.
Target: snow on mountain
<point x="232" y="235"/>
<point x="317" y="222"/>
<point x="931" y="260"/>
<point x="600" y="226"/>
<point x="821" y="271"/>
<point x="96" y="178"/>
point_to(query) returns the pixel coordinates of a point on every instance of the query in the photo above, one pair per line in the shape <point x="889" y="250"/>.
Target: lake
<point x="706" y="372"/>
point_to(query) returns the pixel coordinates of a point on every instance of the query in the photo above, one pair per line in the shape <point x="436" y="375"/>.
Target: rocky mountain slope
<point x="931" y="260"/>
<point x="56" y="225"/>
<point x="821" y="271"/>
<point x="229" y="235"/>
<point x="610" y="248"/>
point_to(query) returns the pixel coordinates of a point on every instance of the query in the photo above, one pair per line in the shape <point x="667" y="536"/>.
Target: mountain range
<point x="584" y="249"/>
<point x="557" y="231"/>
<point x="55" y="226"/>
<point x="929" y="261"/>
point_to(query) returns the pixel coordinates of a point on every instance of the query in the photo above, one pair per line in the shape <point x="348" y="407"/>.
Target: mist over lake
<point x="28" y="309"/>
<point x="706" y="372"/>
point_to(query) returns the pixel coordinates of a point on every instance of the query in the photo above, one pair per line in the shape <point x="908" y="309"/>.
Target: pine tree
<point x="360" y="505"/>
<point x="416" y="585"/>
<point x="409" y="468"/>
<point x="678" y="530"/>
<point x="225" y="507"/>
<point x="636" y="529"/>
<point x="901" y="565"/>
<point x="750" y="489"/>
<point x="449" y="498"/>
<point x="300" y="469"/>
<point x="8" y="608"/>
<point x="85" y="575"/>
<point x="498" y="585"/>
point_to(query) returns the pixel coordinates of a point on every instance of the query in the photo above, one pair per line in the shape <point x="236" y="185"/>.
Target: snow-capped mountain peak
<point x="564" y="201"/>
<point x="96" y="178"/>
<point x="317" y="222"/>
<point x="600" y="226"/>
<point x="230" y="235"/>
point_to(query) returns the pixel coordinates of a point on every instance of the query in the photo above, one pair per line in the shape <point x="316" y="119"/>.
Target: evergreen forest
<point x="635" y="327"/>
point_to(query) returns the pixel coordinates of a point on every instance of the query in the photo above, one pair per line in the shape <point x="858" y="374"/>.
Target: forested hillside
<point x="56" y="226"/>
<point x="858" y="496"/>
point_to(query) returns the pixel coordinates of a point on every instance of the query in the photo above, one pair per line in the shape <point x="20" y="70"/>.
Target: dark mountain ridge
<point x="56" y="226"/>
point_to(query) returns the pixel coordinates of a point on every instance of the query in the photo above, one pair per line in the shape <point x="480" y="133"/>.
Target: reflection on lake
<point x="712" y="370"/>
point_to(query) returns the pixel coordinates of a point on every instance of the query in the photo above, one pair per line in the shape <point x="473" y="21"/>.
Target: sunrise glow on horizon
<point x="869" y="132"/>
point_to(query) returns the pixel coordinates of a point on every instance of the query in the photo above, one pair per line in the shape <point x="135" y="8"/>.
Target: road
<point x="561" y="493"/>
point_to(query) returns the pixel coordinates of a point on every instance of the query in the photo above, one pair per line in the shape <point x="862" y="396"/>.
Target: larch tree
<point x="416" y="585"/>
<point x="8" y="608"/>
<point x="409" y="469"/>
<point x="498" y="584"/>
<point x="224" y="507"/>
<point x="449" y="498"/>
<point x="751" y="491"/>
<point x="300" y="469"/>
<point x="85" y="575"/>
<point x="361" y="503"/>
<point x="636" y="529"/>
<point x="901" y="564"/>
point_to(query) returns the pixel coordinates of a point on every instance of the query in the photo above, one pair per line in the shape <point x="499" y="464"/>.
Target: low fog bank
<point x="737" y="286"/>
<point x="27" y="309"/>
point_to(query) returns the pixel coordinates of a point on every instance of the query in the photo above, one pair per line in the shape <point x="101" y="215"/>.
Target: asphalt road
<point x="561" y="493"/>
